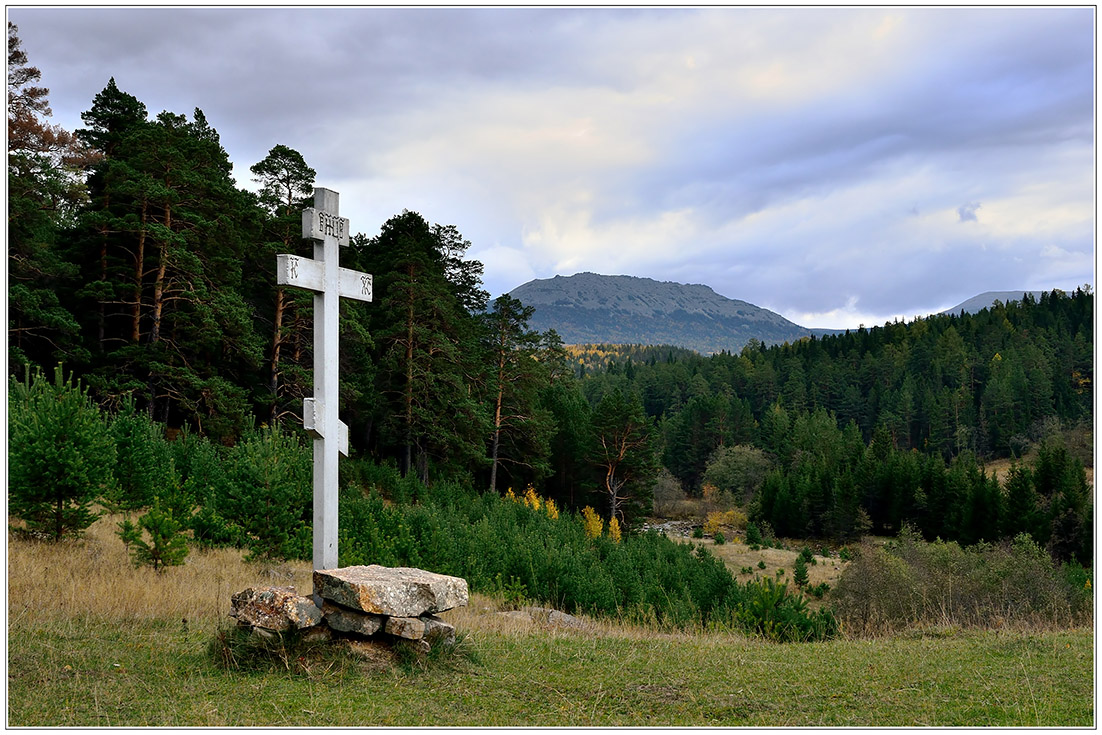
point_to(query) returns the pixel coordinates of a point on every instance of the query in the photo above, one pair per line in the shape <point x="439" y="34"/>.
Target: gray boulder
<point x="393" y="591"/>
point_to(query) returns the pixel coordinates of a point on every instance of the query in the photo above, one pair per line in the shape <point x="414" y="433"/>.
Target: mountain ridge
<point x="593" y="308"/>
<point x="987" y="299"/>
<point x="590" y="308"/>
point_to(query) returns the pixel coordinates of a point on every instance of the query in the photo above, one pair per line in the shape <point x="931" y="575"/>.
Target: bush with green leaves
<point x="738" y="470"/>
<point x="61" y="456"/>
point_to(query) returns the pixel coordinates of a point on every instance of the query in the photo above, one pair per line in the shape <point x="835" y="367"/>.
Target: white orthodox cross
<point x="329" y="281"/>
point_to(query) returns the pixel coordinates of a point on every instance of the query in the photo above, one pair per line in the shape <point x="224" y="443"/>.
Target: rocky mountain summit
<point x="592" y="308"/>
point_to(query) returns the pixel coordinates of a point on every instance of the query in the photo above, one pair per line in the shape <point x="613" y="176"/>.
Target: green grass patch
<point x="80" y="672"/>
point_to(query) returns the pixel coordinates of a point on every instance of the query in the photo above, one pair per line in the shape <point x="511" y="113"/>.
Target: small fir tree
<point x="799" y="572"/>
<point x="753" y="534"/>
<point x="166" y="547"/>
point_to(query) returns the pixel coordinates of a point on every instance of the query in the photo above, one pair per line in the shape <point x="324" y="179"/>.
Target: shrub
<point x="669" y="497"/>
<point x="698" y="532"/>
<point x="772" y="612"/>
<point x="761" y="564"/>
<point x="61" y="457"/>
<point x="910" y="583"/>
<point x="732" y="519"/>
<point x="719" y="538"/>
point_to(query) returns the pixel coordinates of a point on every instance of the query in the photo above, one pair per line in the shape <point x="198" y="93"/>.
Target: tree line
<point x="137" y="262"/>
<point x="875" y="429"/>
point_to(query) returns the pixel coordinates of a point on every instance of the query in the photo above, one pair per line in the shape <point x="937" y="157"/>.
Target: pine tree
<point x="165" y="238"/>
<point x="166" y="547"/>
<point x="45" y="188"/>
<point x="427" y="344"/>
<point x="286" y="184"/>
<point x="514" y="379"/>
<point x="144" y="467"/>
<point x="799" y="572"/>
<point x="60" y="454"/>
<point x="625" y="453"/>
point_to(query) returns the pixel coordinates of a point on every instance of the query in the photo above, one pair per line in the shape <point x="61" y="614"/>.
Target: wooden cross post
<point x="324" y="276"/>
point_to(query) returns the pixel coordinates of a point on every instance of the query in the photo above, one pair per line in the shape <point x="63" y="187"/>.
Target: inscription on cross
<point x="323" y="275"/>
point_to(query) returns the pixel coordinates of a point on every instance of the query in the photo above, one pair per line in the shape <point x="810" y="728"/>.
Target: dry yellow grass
<point x="736" y="556"/>
<point x="93" y="576"/>
<point x="1000" y="468"/>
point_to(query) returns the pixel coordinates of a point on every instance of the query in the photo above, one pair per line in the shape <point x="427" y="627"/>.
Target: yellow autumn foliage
<point x="594" y="525"/>
<point x="724" y="519"/>
<point x="531" y="499"/>
<point x="614" y="529"/>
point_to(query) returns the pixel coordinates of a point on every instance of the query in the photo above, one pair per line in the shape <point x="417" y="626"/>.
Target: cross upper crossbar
<point x="291" y="270"/>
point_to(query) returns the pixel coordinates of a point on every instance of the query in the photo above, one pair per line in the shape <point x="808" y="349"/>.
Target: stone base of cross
<point x="329" y="282"/>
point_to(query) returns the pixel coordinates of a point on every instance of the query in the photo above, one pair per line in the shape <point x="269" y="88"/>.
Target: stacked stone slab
<point x="400" y="601"/>
<point x="361" y="601"/>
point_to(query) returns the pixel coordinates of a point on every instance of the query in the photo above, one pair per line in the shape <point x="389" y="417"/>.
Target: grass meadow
<point x="93" y="641"/>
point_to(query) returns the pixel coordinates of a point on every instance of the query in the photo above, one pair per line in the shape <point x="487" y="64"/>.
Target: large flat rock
<point x="395" y="591"/>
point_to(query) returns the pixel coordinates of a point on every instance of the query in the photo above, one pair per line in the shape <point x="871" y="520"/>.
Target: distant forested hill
<point x="588" y="308"/>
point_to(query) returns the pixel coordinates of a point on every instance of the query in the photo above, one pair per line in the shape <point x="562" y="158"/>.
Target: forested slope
<point x="137" y="262"/>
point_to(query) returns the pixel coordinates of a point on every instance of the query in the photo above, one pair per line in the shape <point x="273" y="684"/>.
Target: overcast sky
<point x="835" y="166"/>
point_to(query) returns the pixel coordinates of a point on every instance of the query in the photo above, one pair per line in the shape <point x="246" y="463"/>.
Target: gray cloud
<point x="796" y="158"/>
<point x="967" y="212"/>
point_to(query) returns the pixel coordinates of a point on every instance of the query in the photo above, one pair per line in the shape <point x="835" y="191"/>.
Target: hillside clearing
<point x="106" y="645"/>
